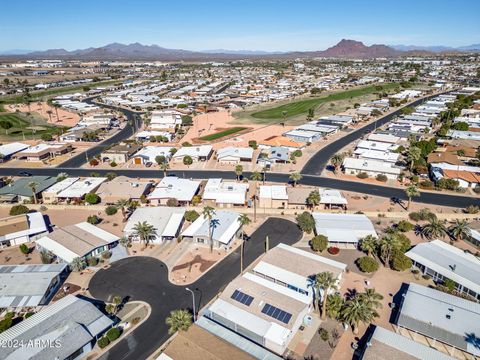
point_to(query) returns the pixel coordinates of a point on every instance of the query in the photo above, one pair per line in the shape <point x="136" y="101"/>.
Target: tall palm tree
<point x="336" y="161"/>
<point x="33" y="186"/>
<point x="372" y="298"/>
<point x="178" y="320"/>
<point x="144" y="231"/>
<point x="78" y="264"/>
<point x="208" y="213"/>
<point x="413" y="155"/>
<point x="264" y="172"/>
<point x="387" y="245"/>
<point x="313" y="199"/>
<point x="256" y="176"/>
<point x="56" y="106"/>
<point x="238" y="171"/>
<point x="369" y="244"/>
<point x="433" y="229"/>
<point x="244" y="220"/>
<point x="357" y="310"/>
<point x="49" y="113"/>
<point x="164" y="167"/>
<point x="295" y="178"/>
<point x="411" y="191"/>
<point x="325" y="281"/>
<point x="459" y="229"/>
<point x="123" y="204"/>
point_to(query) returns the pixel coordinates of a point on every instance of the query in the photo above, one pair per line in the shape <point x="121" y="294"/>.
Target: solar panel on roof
<point x="276" y="313"/>
<point x="242" y="297"/>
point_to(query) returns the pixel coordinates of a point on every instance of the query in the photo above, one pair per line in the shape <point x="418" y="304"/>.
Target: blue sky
<point x="254" y="25"/>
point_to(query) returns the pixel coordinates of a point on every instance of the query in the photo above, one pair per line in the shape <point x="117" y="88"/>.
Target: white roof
<point x="166" y="220"/>
<point x="194" y="151"/>
<point x="331" y="196"/>
<point x="12" y="148"/>
<point x="266" y="329"/>
<point x="375" y="145"/>
<point x="235" y="153"/>
<point x="227" y="225"/>
<point x="276" y="192"/>
<point x="36" y="225"/>
<point x="377" y="155"/>
<point x="371" y="165"/>
<point x="343" y="227"/>
<point x="81" y="187"/>
<point x="225" y="192"/>
<point x="151" y="152"/>
<point x="450" y="261"/>
<point x="281" y="274"/>
<point x="172" y="187"/>
<point x="61" y="185"/>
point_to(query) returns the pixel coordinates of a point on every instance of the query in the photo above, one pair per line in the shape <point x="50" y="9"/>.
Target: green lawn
<point x="300" y="107"/>
<point x="222" y="133"/>
<point x="15" y="99"/>
<point x="24" y="126"/>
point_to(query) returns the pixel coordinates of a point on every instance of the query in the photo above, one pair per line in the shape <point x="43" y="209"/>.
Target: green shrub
<point x="92" y="198"/>
<point x="253" y="144"/>
<point x="103" y="342"/>
<point x="92" y="261"/>
<point x="426" y="184"/>
<point x="381" y="177"/>
<point x="306" y="222"/>
<point x="324" y="335"/>
<point x="404" y="226"/>
<point x="362" y="175"/>
<point x="93" y="219"/>
<point x="24" y="249"/>
<point x="28" y="314"/>
<point x="172" y="202"/>
<point x="367" y="264"/>
<point x="319" y="243"/>
<point x="18" y="210"/>
<point x="111" y="210"/>
<point x="401" y="262"/>
<point x="113" y="163"/>
<point x="191" y="215"/>
<point x="113" y="334"/>
<point x="46" y="137"/>
<point x="297" y="153"/>
<point x="472" y="209"/>
<point x="449" y="284"/>
<point x="5" y="324"/>
<point x="404" y="242"/>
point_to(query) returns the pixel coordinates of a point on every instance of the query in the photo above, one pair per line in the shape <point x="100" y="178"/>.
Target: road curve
<point x="146" y="279"/>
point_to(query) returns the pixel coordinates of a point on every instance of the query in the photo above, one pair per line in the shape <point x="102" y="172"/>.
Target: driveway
<point x="146" y="279"/>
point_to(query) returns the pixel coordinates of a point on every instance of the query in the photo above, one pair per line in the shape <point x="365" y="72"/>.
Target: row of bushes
<point x="111" y="335"/>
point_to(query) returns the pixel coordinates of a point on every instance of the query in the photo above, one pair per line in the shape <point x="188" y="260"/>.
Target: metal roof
<point x="441" y="316"/>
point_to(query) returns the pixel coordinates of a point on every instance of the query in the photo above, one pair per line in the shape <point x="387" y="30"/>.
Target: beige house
<point x="123" y="188"/>
<point x="273" y="197"/>
<point x="120" y="153"/>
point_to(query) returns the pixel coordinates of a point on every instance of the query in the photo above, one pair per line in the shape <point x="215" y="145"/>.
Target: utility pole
<point x="241" y="257"/>
<point x="193" y="303"/>
<point x="254" y="208"/>
<point x="267" y="243"/>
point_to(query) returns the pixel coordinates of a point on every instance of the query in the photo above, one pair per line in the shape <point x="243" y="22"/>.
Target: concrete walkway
<point x="118" y="252"/>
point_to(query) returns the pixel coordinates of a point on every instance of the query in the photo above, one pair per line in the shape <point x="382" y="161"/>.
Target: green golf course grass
<point x="299" y="107"/>
<point x="22" y="126"/>
<point x="222" y="133"/>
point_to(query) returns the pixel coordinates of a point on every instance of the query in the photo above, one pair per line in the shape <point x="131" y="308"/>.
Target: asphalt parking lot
<point x="146" y="279"/>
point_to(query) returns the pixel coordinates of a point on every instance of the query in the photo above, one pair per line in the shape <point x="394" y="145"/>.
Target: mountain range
<point x="136" y="51"/>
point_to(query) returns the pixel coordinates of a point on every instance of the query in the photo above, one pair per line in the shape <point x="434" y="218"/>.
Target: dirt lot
<point x="65" y="118"/>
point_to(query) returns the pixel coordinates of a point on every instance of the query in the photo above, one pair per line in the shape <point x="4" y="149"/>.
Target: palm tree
<point x="414" y="154"/>
<point x="336" y="161"/>
<point x="372" y="298"/>
<point x="144" y="231"/>
<point x="264" y="171"/>
<point x="433" y="229"/>
<point x="164" y="167"/>
<point x="33" y="186"/>
<point x="369" y="244"/>
<point x="313" y="199"/>
<point x="325" y="281"/>
<point x="256" y="176"/>
<point x="124" y="241"/>
<point x="178" y="320"/>
<point x="388" y="244"/>
<point x="411" y="191"/>
<point x="238" y="171"/>
<point x="357" y="310"/>
<point x="49" y="113"/>
<point x="208" y="213"/>
<point x="459" y="229"/>
<point x="78" y="264"/>
<point x="56" y="106"/>
<point x="122" y="204"/>
<point x="62" y="176"/>
<point x="244" y="220"/>
<point x="295" y="178"/>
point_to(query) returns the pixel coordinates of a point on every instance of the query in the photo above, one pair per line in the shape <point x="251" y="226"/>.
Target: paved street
<point x="144" y="278"/>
